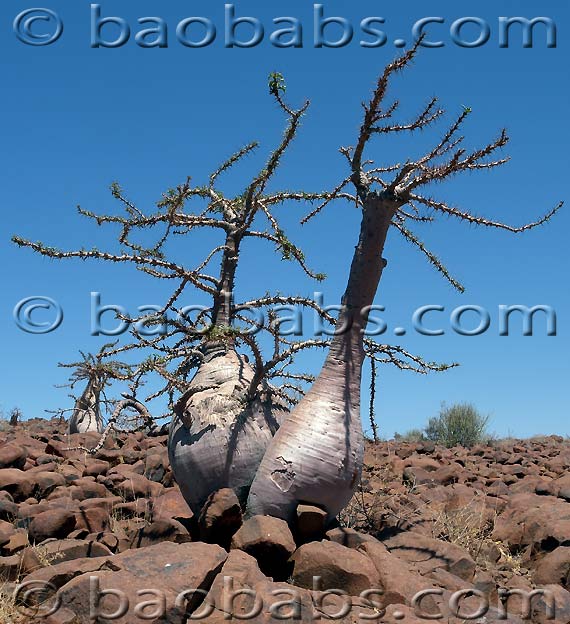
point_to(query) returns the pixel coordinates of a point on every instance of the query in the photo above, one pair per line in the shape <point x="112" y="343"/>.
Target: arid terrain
<point x="477" y="530"/>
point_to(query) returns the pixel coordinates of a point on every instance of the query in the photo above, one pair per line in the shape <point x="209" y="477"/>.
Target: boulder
<point x="561" y="487"/>
<point x="137" y="486"/>
<point x="270" y="541"/>
<point x="174" y="577"/>
<point x="171" y="505"/>
<point x="56" y="523"/>
<point x="430" y="554"/>
<point x="161" y="531"/>
<point x="16" y="483"/>
<point x="8" y="510"/>
<point x="348" y="537"/>
<point x="327" y="565"/>
<point x="239" y="571"/>
<point x="43" y="483"/>
<point x="96" y="467"/>
<point x="17" y="542"/>
<point x="9" y="568"/>
<point x="59" y="573"/>
<point x="542" y="522"/>
<point x="220" y="518"/>
<point x="551" y="606"/>
<point x="87" y="487"/>
<point x="6" y="531"/>
<point x="56" y="551"/>
<point x="155" y="466"/>
<point x="311" y="523"/>
<point x="399" y="581"/>
<point x="92" y="519"/>
<point x="554" y="568"/>
<point x="12" y="456"/>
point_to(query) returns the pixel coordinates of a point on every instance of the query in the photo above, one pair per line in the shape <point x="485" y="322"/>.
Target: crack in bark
<point x="283" y="477"/>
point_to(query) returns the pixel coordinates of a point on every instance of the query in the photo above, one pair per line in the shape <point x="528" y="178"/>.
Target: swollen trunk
<point x="316" y="456"/>
<point x="86" y="415"/>
<point x="218" y="435"/>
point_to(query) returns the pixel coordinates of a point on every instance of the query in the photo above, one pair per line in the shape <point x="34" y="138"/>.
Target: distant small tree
<point x="98" y="373"/>
<point x="15" y="416"/>
<point x="458" y="425"/>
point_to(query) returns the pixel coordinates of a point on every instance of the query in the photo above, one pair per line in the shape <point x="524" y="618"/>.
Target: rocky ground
<point x="109" y="539"/>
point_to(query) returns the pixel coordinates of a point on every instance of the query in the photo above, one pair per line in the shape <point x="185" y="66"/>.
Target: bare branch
<point x="402" y="359"/>
<point x="257" y="187"/>
<point x="288" y="250"/>
<point x="335" y="194"/>
<point x="232" y="160"/>
<point x="295" y="348"/>
<point x="424" y="119"/>
<point x="371" y="410"/>
<point x="52" y="252"/>
<point x="482" y="221"/>
<point x="433" y="260"/>
<point x="127" y="402"/>
<point x="373" y="113"/>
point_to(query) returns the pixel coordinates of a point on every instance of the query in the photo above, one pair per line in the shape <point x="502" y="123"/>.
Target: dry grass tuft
<point x="121" y="521"/>
<point x="465" y="527"/>
<point x="512" y="562"/>
<point x="45" y="557"/>
<point x="372" y="510"/>
<point x="9" y="613"/>
<point x="472" y="530"/>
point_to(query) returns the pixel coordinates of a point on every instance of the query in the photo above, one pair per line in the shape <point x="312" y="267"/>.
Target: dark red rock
<point x="554" y="568"/>
<point x="12" y="456"/>
<point x="220" y="518"/>
<point x="56" y="523"/>
<point x="311" y="523"/>
<point x="337" y="567"/>
<point x="270" y="541"/>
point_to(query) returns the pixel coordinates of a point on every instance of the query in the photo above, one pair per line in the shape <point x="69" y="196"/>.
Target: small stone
<point x="311" y="522"/>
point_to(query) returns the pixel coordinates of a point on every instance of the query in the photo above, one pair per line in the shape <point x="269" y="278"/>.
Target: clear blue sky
<point x="76" y="118"/>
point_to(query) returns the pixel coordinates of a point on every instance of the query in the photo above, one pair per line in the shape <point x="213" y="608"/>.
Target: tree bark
<point x="218" y="435"/>
<point x="222" y="308"/>
<point x="86" y="416"/>
<point x="316" y="456"/>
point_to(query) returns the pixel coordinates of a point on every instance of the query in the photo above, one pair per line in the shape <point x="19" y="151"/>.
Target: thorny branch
<point x="399" y="185"/>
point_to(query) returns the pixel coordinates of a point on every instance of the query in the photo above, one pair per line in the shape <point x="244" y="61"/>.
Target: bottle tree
<point x="316" y="457"/>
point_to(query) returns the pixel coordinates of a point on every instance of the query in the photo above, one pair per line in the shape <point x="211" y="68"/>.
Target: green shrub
<point x="413" y="435"/>
<point x="458" y="425"/>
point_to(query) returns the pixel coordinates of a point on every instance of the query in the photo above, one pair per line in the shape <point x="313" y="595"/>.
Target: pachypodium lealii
<point x="316" y="457"/>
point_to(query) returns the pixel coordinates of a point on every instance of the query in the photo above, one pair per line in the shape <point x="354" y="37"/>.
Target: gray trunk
<point x="218" y="436"/>
<point x="316" y="457"/>
<point x="86" y="416"/>
<point x="222" y="308"/>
